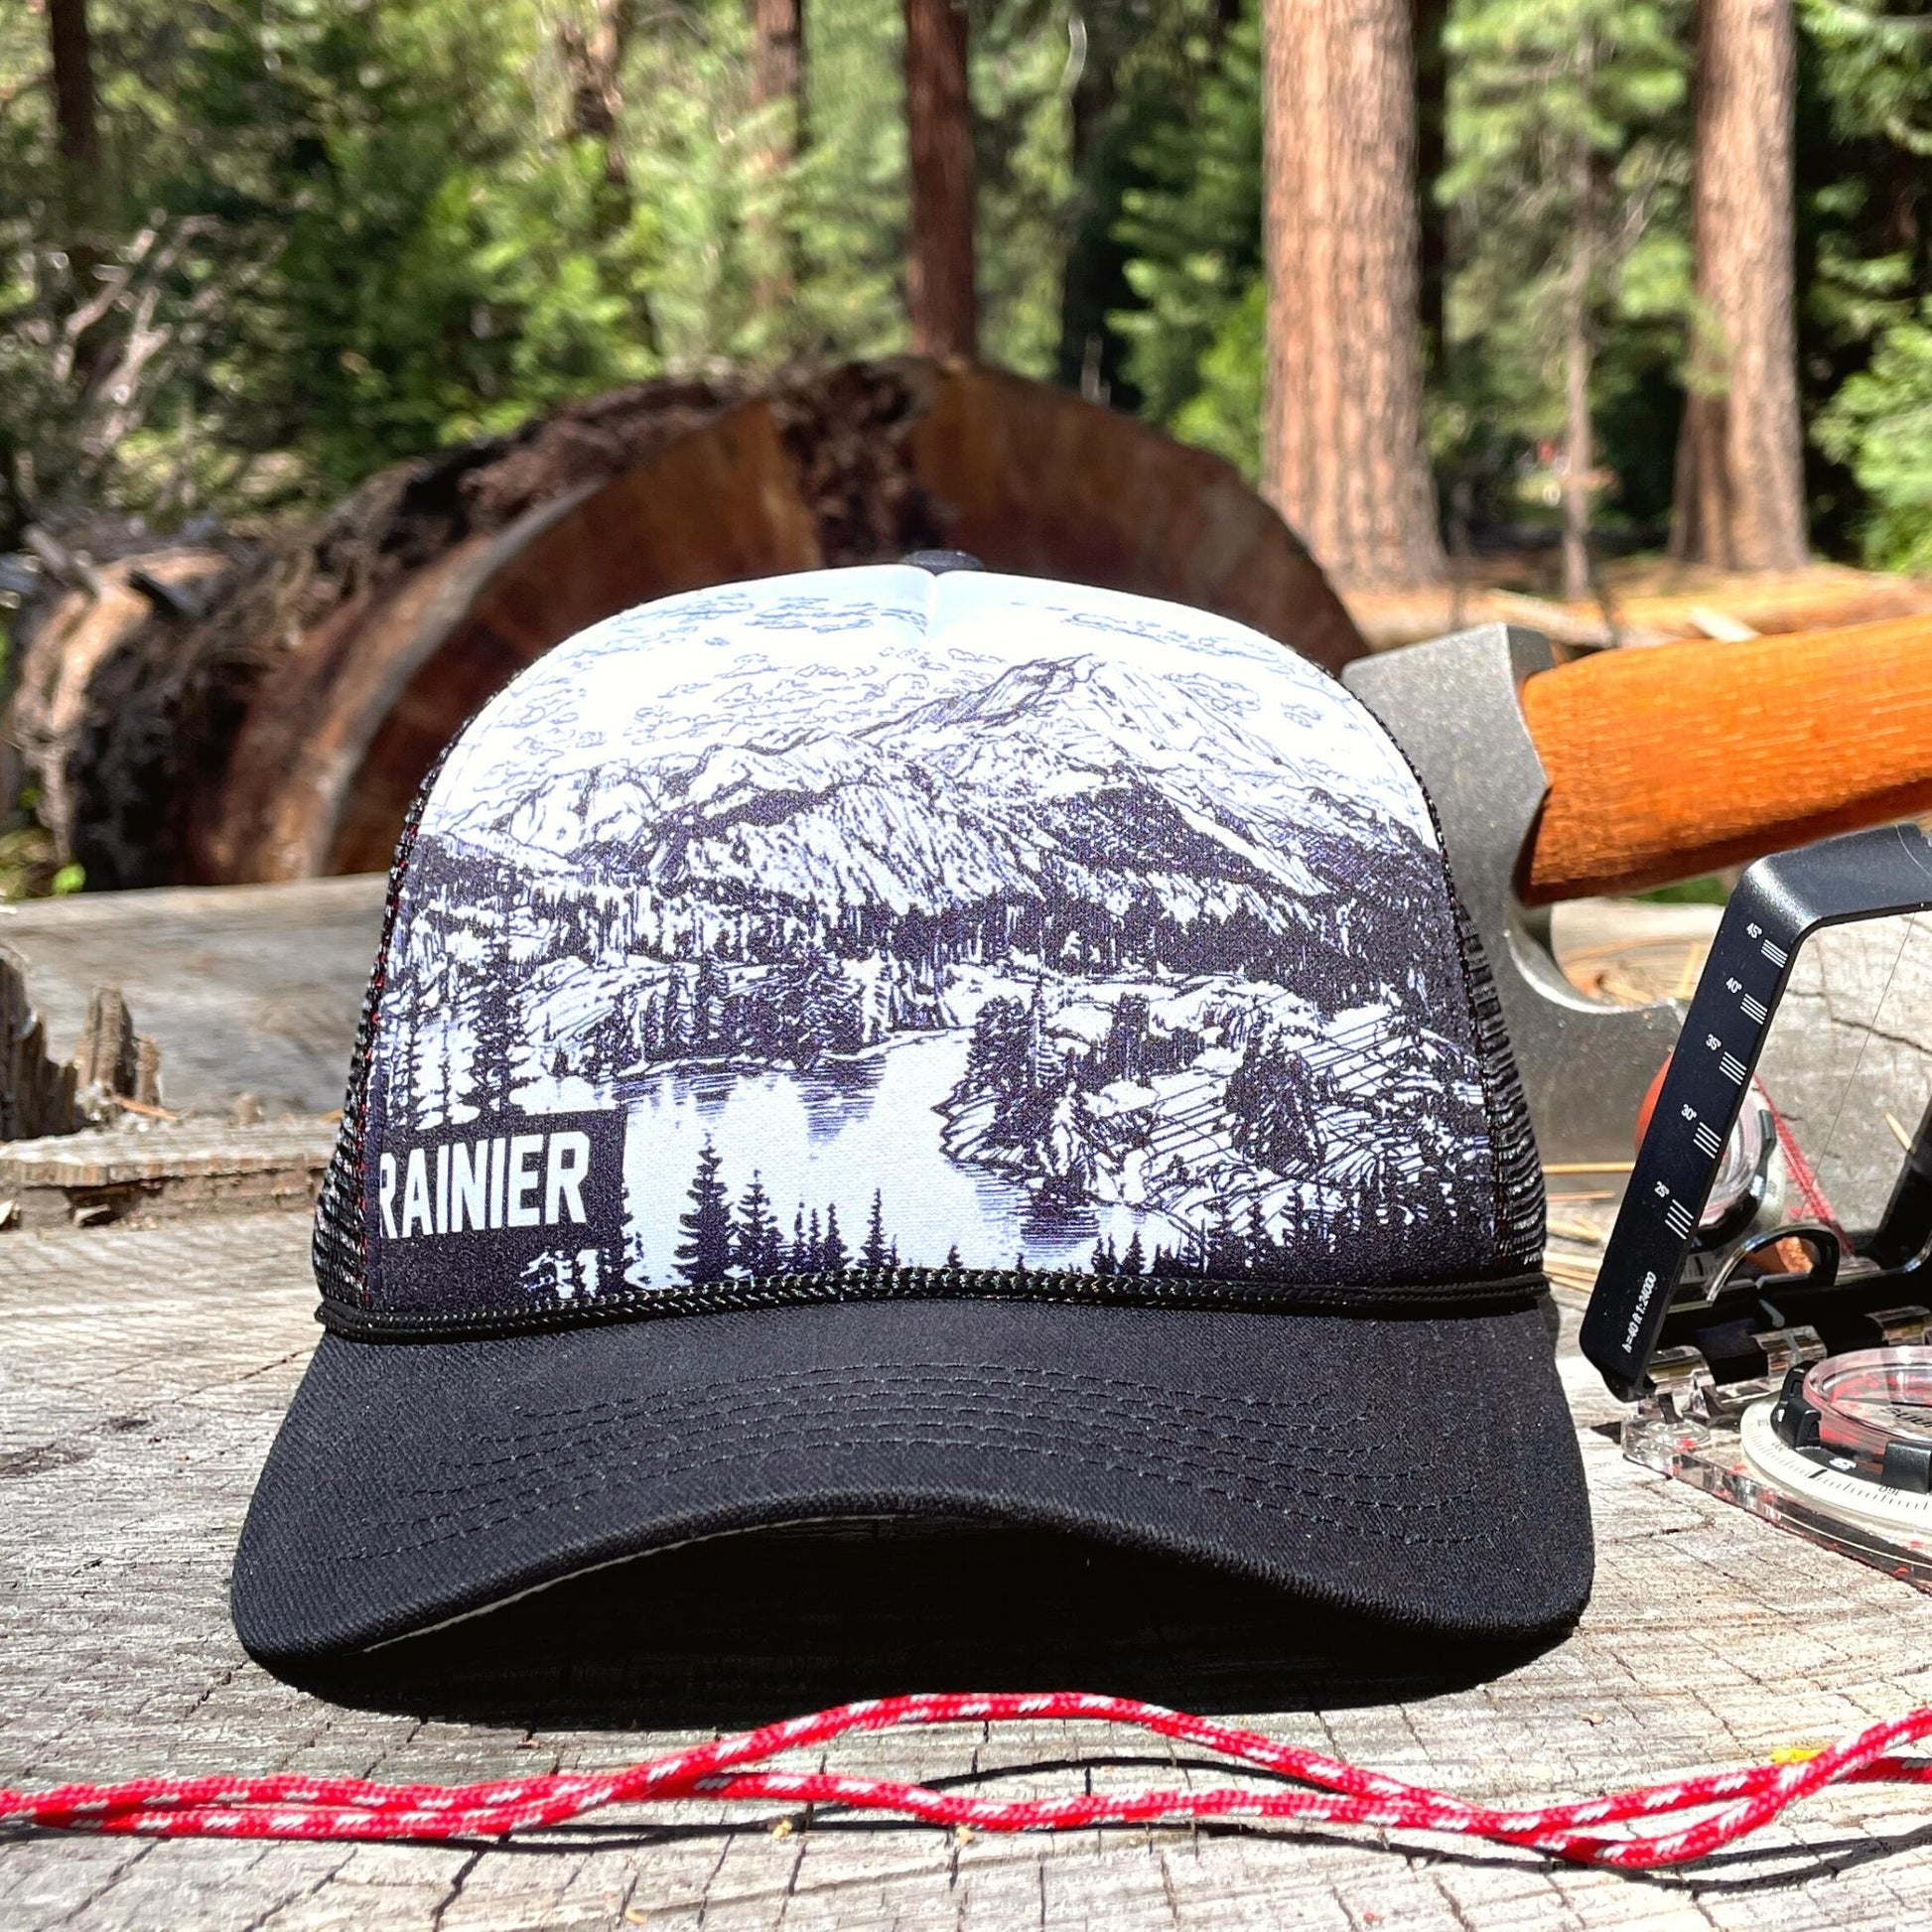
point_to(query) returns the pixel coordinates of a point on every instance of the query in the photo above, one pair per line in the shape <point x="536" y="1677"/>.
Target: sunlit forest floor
<point x="1642" y="600"/>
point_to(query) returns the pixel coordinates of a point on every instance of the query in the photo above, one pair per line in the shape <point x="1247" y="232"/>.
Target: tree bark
<point x="1739" y="490"/>
<point x="779" y="94"/>
<point x="72" y="46"/>
<point x="1343" y="455"/>
<point x="778" y="68"/>
<point x="76" y="122"/>
<point x="1577" y="454"/>
<point x="1427" y="20"/>
<point x="942" y="305"/>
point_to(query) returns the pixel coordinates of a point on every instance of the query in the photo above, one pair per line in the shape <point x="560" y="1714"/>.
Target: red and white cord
<point x="736" y="1768"/>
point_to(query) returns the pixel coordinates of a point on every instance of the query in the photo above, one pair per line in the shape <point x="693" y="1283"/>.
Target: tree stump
<point x="36" y="1090"/>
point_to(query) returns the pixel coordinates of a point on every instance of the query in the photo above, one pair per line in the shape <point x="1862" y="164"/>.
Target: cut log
<point x="344" y="728"/>
<point x="283" y="734"/>
<point x="105" y="709"/>
<point x="140" y="711"/>
<point x="1032" y="480"/>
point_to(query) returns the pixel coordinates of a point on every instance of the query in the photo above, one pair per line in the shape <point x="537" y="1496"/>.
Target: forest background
<point x="252" y="250"/>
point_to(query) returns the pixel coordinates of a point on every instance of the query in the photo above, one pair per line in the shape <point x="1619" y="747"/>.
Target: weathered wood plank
<point x="162" y="1171"/>
<point x="142" y="1374"/>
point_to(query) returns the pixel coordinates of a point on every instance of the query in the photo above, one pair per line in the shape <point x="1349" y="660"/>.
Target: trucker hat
<point x="886" y="1043"/>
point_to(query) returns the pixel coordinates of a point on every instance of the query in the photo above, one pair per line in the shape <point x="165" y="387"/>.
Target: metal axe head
<point x="1454" y="705"/>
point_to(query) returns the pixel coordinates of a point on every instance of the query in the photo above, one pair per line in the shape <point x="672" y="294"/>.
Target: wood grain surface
<point x="143" y="1372"/>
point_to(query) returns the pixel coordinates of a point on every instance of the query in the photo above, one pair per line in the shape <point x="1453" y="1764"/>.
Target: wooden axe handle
<point x="1669" y="762"/>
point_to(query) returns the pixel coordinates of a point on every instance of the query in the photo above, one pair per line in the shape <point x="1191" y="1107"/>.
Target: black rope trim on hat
<point x="1384" y="1300"/>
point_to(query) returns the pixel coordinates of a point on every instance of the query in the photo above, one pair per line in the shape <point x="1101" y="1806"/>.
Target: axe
<point x="1628" y="770"/>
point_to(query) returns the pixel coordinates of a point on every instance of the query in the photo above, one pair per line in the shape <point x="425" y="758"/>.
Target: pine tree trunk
<point x="940" y="304"/>
<point x="779" y="70"/>
<point x="1343" y="456"/>
<point x="76" y="122"/>
<point x="72" y="49"/>
<point x="1578" y="460"/>
<point x="1427" y="19"/>
<point x="1739" y="493"/>
<point x="778" y="94"/>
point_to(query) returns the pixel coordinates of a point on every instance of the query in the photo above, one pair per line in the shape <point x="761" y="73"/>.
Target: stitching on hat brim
<point x="1354" y="1513"/>
<point x="976" y="1397"/>
<point x="524" y="1473"/>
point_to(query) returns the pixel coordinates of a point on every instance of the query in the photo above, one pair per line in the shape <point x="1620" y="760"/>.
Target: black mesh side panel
<point x="1516" y="1167"/>
<point x="337" y="1249"/>
<point x="1512" y="1138"/>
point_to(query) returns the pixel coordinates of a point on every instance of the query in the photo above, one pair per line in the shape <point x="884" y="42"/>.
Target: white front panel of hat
<point x="875" y="918"/>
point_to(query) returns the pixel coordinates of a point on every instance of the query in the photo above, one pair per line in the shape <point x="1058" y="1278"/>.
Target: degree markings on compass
<point x="1777" y="954"/>
<point x="1679" y="1219"/>
<point x="1754" y="1010"/>
<point x="1707" y="1140"/>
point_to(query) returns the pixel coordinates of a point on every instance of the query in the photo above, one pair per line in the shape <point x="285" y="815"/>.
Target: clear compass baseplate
<point x="1754" y="1444"/>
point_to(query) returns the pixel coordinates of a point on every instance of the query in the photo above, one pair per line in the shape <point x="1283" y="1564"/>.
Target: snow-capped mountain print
<point x="874" y="917"/>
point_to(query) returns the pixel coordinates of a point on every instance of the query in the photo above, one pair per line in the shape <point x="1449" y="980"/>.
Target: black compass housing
<point x="1659" y="1286"/>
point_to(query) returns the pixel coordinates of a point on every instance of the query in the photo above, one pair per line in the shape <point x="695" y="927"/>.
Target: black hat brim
<point x="1422" y="1471"/>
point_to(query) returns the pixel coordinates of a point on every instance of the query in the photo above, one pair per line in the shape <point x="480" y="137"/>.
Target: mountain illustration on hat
<point x="1066" y="938"/>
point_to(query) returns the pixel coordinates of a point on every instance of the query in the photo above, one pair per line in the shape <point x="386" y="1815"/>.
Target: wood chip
<point x="1568" y="1230"/>
<point x="1718" y="626"/>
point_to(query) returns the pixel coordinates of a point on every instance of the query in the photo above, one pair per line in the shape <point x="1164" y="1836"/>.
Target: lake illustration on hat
<point x="950" y="923"/>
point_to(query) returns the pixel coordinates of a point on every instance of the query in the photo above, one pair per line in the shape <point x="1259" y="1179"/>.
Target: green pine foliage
<point x="1190" y="223"/>
<point x="362" y="228"/>
<point x="427" y="271"/>
<point x="1865" y="217"/>
<point x="329" y="234"/>
<point x="354" y="230"/>
<point x="1021" y="62"/>
<point x="1566" y="129"/>
<point x="1879" y="425"/>
<point x="850" y="208"/>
